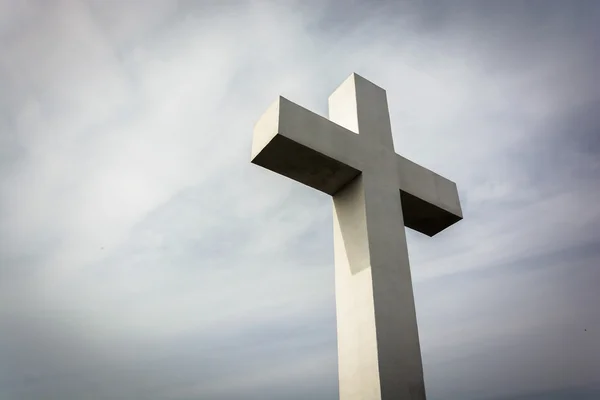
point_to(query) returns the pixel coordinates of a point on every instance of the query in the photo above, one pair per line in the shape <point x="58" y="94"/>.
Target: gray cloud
<point x="142" y="256"/>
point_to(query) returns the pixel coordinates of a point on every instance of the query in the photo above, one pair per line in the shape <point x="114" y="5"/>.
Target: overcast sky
<point x="142" y="256"/>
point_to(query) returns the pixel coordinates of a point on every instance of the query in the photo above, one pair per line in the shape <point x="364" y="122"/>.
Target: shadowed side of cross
<point x="375" y="191"/>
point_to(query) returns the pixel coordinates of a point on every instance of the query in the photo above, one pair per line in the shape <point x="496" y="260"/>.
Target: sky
<point x="142" y="255"/>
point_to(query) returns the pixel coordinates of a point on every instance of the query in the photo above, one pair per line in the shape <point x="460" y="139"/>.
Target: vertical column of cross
<point x="398" y="345"/>
<point x="378" y="345"/>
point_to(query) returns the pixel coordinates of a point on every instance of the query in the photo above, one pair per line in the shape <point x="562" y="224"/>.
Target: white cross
<point x="375" y="192"/>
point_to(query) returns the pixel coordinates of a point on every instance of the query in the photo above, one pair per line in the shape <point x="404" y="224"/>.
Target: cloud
<point x="141" y="254"/>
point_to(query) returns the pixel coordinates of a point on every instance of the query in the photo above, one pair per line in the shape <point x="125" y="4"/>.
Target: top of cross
<point x="326" y="154"/>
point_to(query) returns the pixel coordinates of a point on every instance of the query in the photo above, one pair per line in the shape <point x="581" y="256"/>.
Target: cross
<point x="351" y="157"/>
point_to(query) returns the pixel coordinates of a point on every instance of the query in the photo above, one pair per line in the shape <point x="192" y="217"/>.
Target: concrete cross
<point x="375" y="192"/>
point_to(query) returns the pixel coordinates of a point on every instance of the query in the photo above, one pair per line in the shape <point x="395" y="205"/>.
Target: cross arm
<point x="430" y="202"/>
<point x="301" y="145"/>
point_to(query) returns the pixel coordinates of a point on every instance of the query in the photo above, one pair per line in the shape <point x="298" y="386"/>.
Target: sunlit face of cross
<point x="375" y="193"/>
